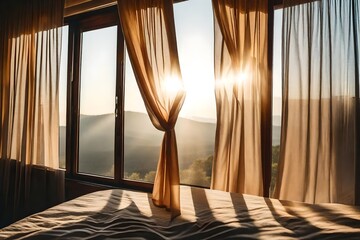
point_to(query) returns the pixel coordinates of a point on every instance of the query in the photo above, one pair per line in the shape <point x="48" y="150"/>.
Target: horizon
<point x="194" y="119"/>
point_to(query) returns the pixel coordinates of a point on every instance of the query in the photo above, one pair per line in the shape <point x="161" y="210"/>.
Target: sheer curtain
<point x="149" y="32"/>
<point x="29" y="72"/>
<point x="241" y="38"/>
<point x="320" y="98"/>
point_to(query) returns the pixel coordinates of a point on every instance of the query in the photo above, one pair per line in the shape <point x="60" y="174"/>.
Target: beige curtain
<point x="240" y="70"/>
<point x="319" y="133"/>
<point x="149" y="32"/>
<point x="29" y="72"/>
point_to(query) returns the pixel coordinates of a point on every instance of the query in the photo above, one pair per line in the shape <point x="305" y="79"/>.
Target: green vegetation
<point x="134" y="176"/>
<point x="150" y="176"/>
<point x="142" y="148"/>
<point x="274" y="167"/>
<point x="198" y="173"/>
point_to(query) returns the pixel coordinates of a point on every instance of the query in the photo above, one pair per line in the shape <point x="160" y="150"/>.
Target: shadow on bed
<point x="336" y="217"/>
<point x="209" y="215"/>
<point x="130" y="222"/>
<point x="300" y="226"/>
<point x="291" y="220"/>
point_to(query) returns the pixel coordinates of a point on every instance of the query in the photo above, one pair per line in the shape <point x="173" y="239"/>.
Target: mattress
<point x="206" y="214"/>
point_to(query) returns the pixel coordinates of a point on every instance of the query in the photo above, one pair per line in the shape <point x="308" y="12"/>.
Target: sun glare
<point x="173" y="85"/>
<point x="238" y="78"/>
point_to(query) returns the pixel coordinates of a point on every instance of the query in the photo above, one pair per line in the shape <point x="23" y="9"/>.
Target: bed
<point x="206" y="214"/>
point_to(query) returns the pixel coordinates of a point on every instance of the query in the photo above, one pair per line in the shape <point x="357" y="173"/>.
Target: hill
<point x="195" y="140"/>
<point x="141" y="142"/>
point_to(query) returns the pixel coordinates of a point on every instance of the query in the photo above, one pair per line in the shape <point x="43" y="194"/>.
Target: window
<point x="97" y="102"/>
<point x="195" y="128"/>
<point x="108" y="122"/>
<point x="94" y="151"/>
<point x="277" y="97"/>
<point x="62" y="96"/>
<point x="139" y="133"/>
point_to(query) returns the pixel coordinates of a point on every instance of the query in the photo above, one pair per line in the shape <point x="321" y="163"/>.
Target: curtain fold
<point x="149" y="32"/>
<point x="30" y="44"/>
<point x="320" y="98"/>
<point x="241" y="36"/>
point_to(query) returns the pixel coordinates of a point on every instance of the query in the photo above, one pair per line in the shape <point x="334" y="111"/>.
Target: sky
<point x="277" y="86"/>
<point x="98" y="71"/>
<point x="195" y="39"/>
<point x="63" y="76"/>
<point x="276" y="55"/>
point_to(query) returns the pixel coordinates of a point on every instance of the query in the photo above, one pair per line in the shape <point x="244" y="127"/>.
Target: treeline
<point x="199" y="172"/>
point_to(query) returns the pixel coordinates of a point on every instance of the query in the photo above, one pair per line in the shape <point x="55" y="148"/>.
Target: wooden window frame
<point x="78" y="24"/>
<point x="109" y="17"/>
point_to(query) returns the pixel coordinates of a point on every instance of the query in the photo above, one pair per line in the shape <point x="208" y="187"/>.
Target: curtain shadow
<point x="202" y="209"/>
<point x="109" y="222"/>
<point x="295" y="223"/>
<point x="242" y="213"/>
<point x="337" y="218"/>
<point x="131" y="222"/>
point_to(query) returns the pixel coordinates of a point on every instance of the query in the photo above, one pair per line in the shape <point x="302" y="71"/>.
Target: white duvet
<point x="206" y="214"/>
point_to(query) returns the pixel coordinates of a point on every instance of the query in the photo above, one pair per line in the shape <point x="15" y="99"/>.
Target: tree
<point x="274" y="167"/>
<point x="150" y="176"/>
<point x="196" y="174"/>
<point x="135" y="176"/>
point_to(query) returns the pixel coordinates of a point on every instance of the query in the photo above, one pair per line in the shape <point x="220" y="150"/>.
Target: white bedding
<point x="206" y="214"/>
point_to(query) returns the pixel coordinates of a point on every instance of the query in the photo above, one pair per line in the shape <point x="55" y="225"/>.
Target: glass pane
<point x="97" y="102"/>
<point x="62" y="96"/>
<point x="195" y="129"/>
<point x="277" y="96"/>
<point x="141" y="139"/>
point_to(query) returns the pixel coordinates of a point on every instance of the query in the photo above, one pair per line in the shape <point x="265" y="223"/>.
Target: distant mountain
<point x="276" y="132"/>
<point x="142" y="142"/>
<point x="276" y="120"/>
